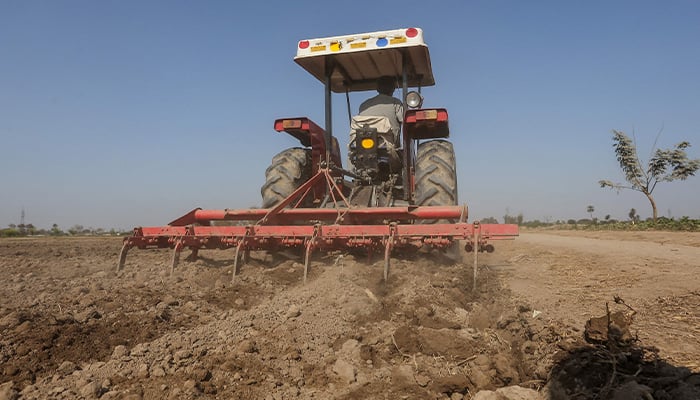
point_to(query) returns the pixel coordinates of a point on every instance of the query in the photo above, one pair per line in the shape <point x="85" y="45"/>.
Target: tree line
<point x="19" y="230"/>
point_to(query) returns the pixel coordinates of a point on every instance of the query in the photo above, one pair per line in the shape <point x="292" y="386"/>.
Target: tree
<point x="55" y="231"/>
<point x="75" y="230"/>
<point x="512" y="219"/>
<point x="590" y="210"/>
<point x="664" y="166"/>
<point x="633" y="215"/>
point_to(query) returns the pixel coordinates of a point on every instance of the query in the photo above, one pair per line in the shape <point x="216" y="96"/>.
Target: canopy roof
<point x="359" y="60"/>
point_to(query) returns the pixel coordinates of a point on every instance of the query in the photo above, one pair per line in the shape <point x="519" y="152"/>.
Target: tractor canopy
<point x="355" y="62"/>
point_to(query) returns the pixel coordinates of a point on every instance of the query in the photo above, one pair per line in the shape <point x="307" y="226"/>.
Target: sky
<point x="115" y="114"/>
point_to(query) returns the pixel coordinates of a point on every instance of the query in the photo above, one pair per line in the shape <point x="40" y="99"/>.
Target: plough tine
<point x="387" y="259"/>
<point x="176" y="256"/>
<point x="241" y="258"/>
<point x="387" y="250"/>
<point x="307" y="258"/>
<point x="309" y="249"/>
<point x="237" y="262"/>
<point x="122" y="256"/>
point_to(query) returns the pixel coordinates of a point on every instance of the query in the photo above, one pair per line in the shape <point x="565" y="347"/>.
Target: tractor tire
<point x="436" y="174"/>
<point x="436" y="183"/>
<point x="289" y="170"/>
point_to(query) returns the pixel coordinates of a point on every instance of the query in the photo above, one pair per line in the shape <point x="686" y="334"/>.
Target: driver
<point x="384" y="104"/>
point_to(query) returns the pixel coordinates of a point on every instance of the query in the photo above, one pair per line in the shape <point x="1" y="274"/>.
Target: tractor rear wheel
<point x="289" y="170"/>
<point x="436" y="182"/>
<point x="436" y="174"/>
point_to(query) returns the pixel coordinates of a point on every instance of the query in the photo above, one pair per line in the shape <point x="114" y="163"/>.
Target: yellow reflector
<point x="367" y="143"/>
<point x="318" y="48"/>
<point x="427" y="114"/>
<point x="359" y="45"/>
<point x="291" y="123"/>
<point x="398" y="40"/>
<point x="336" y="46"/>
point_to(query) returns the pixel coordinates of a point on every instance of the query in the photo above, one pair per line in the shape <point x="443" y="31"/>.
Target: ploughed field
<point x="71" y="326"/>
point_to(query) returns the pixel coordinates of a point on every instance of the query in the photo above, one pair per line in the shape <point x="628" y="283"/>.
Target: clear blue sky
<point x="122" y="113"/>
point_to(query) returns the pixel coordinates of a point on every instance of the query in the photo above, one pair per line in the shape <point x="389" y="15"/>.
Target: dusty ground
<point x="72" y="327"/>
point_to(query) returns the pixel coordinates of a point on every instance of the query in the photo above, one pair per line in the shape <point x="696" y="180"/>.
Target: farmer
<point x="384" y="104"/>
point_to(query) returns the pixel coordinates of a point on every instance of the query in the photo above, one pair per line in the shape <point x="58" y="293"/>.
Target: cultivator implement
<point x="374" y="229"/>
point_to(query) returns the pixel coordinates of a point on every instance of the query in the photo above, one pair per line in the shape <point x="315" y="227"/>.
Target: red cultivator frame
<point x="401" y="196"/>
<point x="342" y="227"/>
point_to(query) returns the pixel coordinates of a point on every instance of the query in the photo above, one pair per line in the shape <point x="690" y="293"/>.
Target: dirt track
<point x="70" y="326"/>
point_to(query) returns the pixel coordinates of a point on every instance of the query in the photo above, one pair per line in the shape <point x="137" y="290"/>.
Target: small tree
<point x="75" y="230"/>
<point x="633" y="215"/>
<point x="590" y="210"/>
<point x="664" y="166"/>
<point x="55" y="231"/>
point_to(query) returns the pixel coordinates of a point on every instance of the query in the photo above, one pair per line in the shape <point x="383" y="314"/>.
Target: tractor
<point x="398" y="192"/>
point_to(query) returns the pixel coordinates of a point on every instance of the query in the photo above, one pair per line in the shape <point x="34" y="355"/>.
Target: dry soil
<point x="71" y="326"/>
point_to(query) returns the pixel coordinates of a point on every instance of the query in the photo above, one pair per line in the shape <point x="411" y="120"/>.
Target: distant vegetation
<point x="662" y="224"/>
<point x="633" y="223"/>
<point x="76" y="230"/>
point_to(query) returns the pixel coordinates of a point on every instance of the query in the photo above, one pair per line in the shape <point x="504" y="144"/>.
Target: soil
<point x="71" y="326"/>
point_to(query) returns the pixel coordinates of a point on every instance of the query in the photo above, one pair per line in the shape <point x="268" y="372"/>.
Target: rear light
<point x="367" y="143"/>
<point x="411" y="32"/>
<point x="439" y="115"/>
<point x="304" y="44"/>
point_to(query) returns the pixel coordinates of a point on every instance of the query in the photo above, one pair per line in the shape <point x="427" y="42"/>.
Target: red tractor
<point x="399" y="193"/>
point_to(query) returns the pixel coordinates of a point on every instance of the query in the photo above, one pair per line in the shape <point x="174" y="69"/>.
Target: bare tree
<point x="663" y="166"/>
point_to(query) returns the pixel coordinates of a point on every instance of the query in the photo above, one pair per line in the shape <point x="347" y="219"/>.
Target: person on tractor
<point x="384" y="104"/>
<point x="382" y="114"/>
